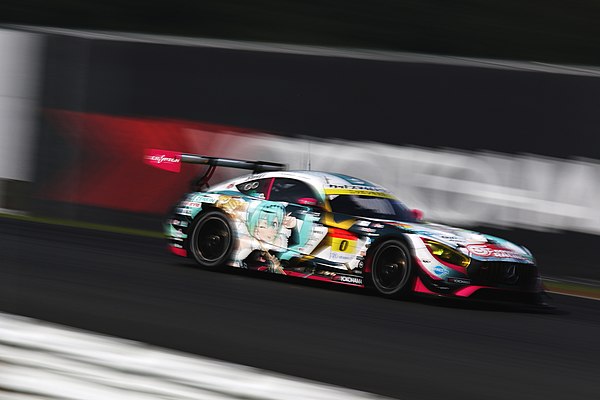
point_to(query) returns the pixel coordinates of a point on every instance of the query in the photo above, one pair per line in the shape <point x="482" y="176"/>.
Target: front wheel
<point x="211" y="240"/>
<point x="390" y="269"/>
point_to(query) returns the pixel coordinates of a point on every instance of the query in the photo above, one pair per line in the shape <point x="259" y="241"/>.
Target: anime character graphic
<point x="268" y="223"/>
<point x="270" y="229"/>
<point x="231" y="205"/>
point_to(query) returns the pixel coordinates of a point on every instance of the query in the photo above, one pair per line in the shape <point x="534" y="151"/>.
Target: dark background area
<point x="541" y="30"/>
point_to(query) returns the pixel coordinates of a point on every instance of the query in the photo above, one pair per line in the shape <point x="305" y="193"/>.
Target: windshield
<point x="371" y="207"/>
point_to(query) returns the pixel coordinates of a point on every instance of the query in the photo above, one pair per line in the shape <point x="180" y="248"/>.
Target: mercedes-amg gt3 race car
<point x="340" y="229"/>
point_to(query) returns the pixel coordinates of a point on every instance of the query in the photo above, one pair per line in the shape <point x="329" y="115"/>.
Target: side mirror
<point x="417" y="214"/>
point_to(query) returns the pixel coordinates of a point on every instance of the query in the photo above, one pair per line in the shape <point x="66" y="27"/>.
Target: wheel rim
<point x="213" y="240"/>
<point x="390" y="268"/>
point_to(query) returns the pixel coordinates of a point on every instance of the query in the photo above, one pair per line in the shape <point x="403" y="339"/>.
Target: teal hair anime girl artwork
<point x="265" y="222"/>
<point x="268" y="223"/>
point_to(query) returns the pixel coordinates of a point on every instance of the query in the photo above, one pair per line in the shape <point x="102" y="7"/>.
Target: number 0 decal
<point x="342" y="241"/>
<point x="343" y="245"/>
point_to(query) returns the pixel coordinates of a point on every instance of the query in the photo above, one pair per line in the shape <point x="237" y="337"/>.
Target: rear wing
<point x="171" y="161"/>
<point x="255" y="166"/>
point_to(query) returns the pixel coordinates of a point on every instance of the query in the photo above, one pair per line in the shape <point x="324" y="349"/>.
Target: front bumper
<point x="499" y="281"/>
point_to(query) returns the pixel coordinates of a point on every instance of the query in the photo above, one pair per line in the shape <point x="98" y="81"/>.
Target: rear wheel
<point x="391" y="271"/>
<point x="211" y="240"/>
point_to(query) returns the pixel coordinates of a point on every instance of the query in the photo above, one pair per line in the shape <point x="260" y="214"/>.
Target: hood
<point x="476" y="245"/>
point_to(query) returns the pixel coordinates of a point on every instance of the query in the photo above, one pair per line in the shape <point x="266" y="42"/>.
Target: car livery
<point x="341" y="229"/>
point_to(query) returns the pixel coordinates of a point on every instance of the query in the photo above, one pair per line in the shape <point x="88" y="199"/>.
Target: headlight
<point x="446" y="254"/>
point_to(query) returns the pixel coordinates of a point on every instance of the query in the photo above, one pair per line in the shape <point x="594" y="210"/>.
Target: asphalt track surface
<point x="129" y="287"/>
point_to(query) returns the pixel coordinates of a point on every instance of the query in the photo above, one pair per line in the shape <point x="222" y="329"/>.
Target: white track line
<point x="39" y="360"/>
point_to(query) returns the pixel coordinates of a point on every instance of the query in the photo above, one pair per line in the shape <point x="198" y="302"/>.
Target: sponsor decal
<point x="183" y="211"/>
<point x="204" y="199"/>
<point x="461" y="281"/>
<point x="453" y="238"/>
<point x="163" y="159"/>
<point x="177" y="222"/>
<point x="340" y="257"/>
<point x="486" y="250"/>
<point x="191" y="204"/>
<point x="358" y="192"/>
<point x="356" y="187"/>
<point x="439" y="270"/>
<point x="368" y="230"/>
<point x="355" y="280"/>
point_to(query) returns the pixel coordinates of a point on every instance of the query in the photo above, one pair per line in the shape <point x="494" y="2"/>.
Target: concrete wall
<point x="20" y="68"/>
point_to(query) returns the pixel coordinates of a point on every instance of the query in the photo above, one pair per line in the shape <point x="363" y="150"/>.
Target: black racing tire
<point x="391" y="269"/>
<point x="211" y="241"/>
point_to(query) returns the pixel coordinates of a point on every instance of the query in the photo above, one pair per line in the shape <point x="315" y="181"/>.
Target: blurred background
<point x="546" y="31"/>
<point x="482" y="114"/>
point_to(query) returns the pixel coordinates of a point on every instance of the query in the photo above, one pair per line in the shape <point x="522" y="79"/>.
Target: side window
<point x="256" y="188"/>
<point x="291" y="191"/>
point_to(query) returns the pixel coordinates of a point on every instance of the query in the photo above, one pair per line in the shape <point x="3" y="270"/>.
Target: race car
<point x="339" y="229"/>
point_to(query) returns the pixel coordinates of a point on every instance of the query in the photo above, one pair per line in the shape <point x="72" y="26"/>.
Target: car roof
<point x="318" y="179"/>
